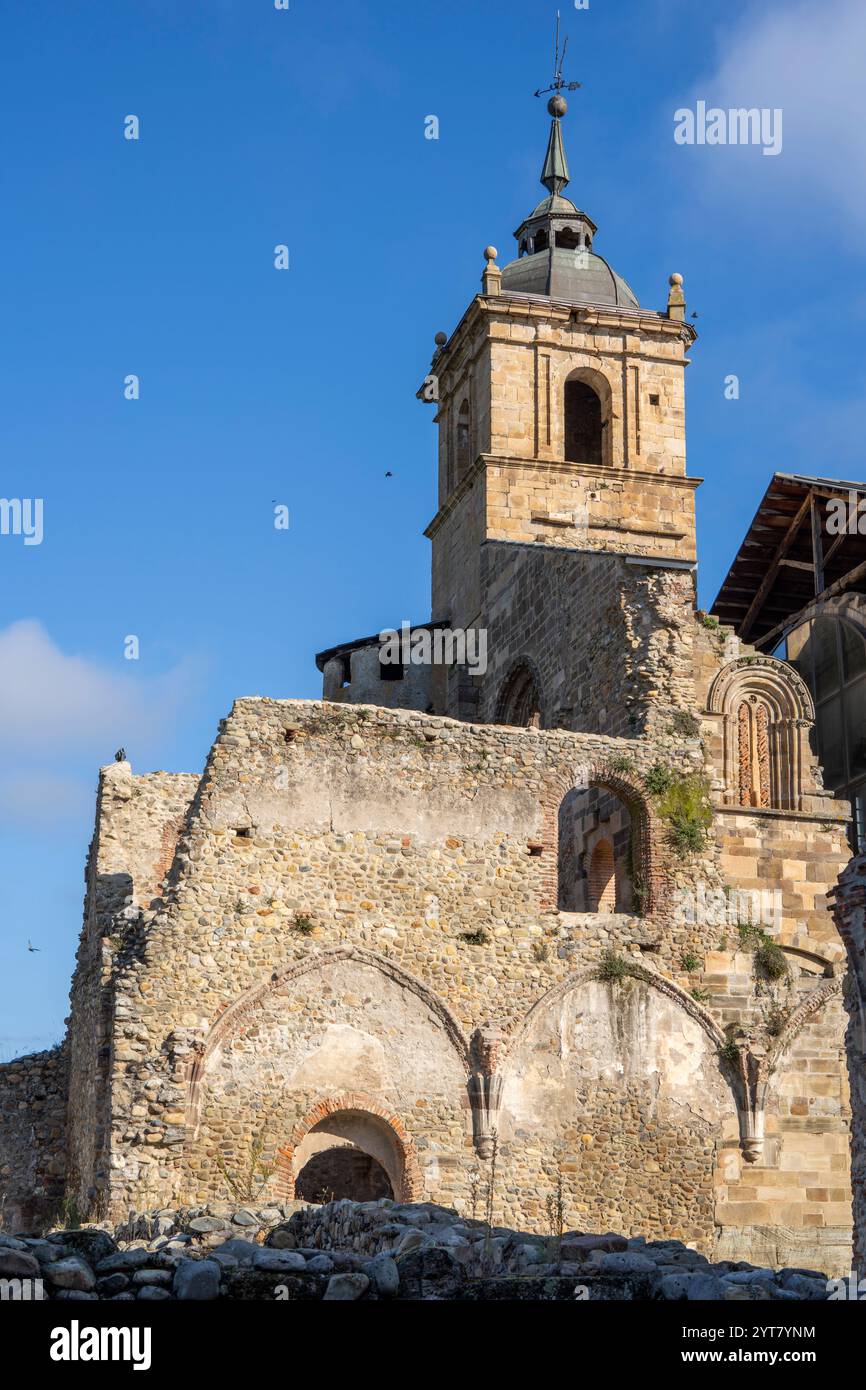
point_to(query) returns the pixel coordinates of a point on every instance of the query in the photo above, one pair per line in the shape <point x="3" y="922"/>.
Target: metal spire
<point x="554" y="174"/>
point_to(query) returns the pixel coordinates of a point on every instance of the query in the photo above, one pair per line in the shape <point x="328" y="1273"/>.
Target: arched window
<point x="463" y="445"/>
<point x="583" y="425"/>
<point x="519" y="703"/>
<point x="766" y="711"/>
<point x="596" y="853"/>
<point x="568" y="238"/>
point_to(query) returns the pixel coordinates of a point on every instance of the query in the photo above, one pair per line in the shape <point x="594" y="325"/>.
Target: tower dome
<point x="555" y="257"/>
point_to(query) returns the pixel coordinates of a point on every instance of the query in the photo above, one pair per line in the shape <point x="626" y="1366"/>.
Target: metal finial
<point x="557" y="106"/>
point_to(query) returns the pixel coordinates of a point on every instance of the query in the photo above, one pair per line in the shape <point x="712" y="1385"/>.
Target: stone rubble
<point x="345" y="1251"/>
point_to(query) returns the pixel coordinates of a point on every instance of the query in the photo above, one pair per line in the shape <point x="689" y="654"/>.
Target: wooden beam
<point x="770" y="577"/>
<point x="817" y="544"/>
<point x="789" y="623"/>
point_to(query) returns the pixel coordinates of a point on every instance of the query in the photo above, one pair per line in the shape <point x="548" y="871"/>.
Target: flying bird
<point x="120" y="755"/>
<point x="32" y="948"/>
<point x="389" y="475"/>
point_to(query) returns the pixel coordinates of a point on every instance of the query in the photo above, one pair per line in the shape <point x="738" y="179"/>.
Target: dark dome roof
<point x="576" y="277"/>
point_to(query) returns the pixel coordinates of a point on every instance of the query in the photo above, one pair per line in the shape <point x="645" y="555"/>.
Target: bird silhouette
<point x="120" y="755"/>
<point x="695" y="314"/>
<point x="32" y="948"/>
<point x="389" y="475"/>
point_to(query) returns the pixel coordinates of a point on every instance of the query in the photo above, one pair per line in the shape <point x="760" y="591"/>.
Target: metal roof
<point x="574" y="277"/>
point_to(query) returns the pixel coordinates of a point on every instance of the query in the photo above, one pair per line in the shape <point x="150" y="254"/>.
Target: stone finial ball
<point x="557" y="106"/>
<point x="676" y="278"/>
<point x="490" y="253"/>
<point x="441" y="338"/>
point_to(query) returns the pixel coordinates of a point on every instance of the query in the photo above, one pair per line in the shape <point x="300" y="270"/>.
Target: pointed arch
<point x="242" y="1011"/>
<point x="586" y="975"/>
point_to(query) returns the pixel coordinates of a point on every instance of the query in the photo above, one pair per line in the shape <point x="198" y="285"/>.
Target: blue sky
<point x="155" y="257"/>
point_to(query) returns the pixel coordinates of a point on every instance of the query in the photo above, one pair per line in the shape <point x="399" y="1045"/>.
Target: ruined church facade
<point x="565" y="919"/>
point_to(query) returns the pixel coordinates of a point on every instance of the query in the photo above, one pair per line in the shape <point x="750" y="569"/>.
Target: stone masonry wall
<point x="610" y="641"/>
<point x="33" y="1132"/>
<point x="137" y="825"/>
<point x="361" y="921"/>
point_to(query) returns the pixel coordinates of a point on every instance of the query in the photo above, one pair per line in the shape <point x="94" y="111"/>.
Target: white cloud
<point x="48" y="697"/>
<point x="59" y="713"/>
<point x="807" y="58"/>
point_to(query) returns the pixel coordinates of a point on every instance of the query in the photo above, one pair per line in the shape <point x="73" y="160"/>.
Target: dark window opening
<point x="568" y="239"/>
<point x="391" y="671"/>
<point x="342" y="1172"/>
<point x="654" y="400"/>
<point x="583" y="426"/>
<point x="519" y="703"/>
<point x="541" y="241"/>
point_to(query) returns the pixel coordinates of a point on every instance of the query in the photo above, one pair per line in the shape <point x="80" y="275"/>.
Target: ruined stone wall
<point x="33" y="1131"/>
<point x="138" y="821"/>
<point x="361" y="921"/>
<point x="610" y="642"/>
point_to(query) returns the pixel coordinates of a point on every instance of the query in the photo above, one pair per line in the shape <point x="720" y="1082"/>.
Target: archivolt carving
<point x="766" y="711"/>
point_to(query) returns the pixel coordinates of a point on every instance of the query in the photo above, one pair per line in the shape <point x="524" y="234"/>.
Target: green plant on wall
<point x="685" y="806"/>
<point x="771" y="963"/>
<point x="658" y="779"/>
<point x="613" y="968"/>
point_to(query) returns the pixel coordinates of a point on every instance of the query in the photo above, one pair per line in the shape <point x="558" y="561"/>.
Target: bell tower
<point x="565" y="526"/>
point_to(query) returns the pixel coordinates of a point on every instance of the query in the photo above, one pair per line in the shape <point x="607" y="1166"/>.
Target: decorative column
<point x="485" y="1087"/>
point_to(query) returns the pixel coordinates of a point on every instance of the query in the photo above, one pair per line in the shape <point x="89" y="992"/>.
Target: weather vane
<point x="558" y="85"/>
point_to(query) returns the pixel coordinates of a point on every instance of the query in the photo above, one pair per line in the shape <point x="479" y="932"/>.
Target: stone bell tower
<point x="565" y="525"/>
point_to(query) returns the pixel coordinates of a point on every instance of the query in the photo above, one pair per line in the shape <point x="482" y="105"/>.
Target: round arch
<point x="353" y="1120"/>
<point x="648" y="852"/>
<point x="520" y="702"/>
<point x="578" y="386"/>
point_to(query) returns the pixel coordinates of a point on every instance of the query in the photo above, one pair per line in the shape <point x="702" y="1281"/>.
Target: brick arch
<point x="357" y="1102"/>
<point x="235" y="1016"/>
<point x="648" y="839"/>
